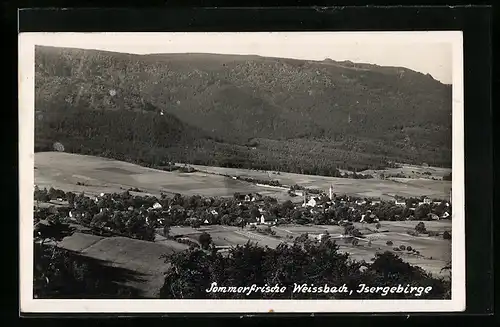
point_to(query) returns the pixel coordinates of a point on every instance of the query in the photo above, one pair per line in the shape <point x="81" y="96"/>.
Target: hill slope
<point x="351" y="115"/>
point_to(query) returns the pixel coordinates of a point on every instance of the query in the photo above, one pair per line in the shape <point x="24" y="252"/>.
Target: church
<point x="315" y="200"/>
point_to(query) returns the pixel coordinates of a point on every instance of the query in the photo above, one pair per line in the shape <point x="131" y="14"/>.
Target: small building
<point x="206" y="221"/>
<point x="248" y="197"/>
<point x="400" y="202"/>
<point x="427" y="201"/>
<point x="360" y="202"/>
<point x="312" y="202"/>
<point x="214" y="212"/>
<point x="267" y="220"/>
<point x="446" y="215"/>
<point x="375" y="202"/>
<point x="433" y="216"/>
<point x="157" y="206"/>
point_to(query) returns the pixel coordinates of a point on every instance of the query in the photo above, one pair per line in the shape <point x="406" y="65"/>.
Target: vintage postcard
<point x="241" y="172"/>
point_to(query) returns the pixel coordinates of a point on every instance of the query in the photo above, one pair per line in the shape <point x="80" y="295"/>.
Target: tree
<point x="447" y="235"/>
<point x="205" y="240"/>
<point x="420" y="228"/>
<point x="377" y="226"/>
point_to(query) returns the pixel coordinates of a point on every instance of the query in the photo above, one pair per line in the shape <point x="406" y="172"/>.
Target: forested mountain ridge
<point x="355" y="115"/>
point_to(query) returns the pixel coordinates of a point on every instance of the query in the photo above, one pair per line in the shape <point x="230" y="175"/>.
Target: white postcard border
<point x="28" y="304"/>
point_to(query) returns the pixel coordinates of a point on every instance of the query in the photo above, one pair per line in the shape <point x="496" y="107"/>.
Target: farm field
<point x="65" y="170"/>
<point x="384" y="189"/>
<point x="143" y="260"/>
<point x="412" y="171"/>
<point x="140" y="258"/>
<point x="435" y="252"/>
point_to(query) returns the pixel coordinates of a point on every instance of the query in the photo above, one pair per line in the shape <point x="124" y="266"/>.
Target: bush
<point x="377" y="226"/>
<point x="420" y="228"/>
<point x="205" y="240"/>
<point x="402" y="247"/>
<point x="447" y="235"/>
<point x="389" y="243"/>
<point x="409" y="248"/>
<point x="396" y="249"/>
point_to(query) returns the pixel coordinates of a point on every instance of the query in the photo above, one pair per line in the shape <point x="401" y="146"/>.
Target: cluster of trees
<point x="193" y="271"/>
<point x="135" y="216"/>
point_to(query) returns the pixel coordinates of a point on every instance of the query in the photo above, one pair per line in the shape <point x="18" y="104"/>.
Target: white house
<point x="375" y="202"/>
<point x="157" y="206"/>
<point x="214" y="212"/>
<point x="312" y="202"/>
<point x="248" y="197"/>
<point x="400" y="202"/>
<point x="360" y="202"/>
<point x="206" y="221"/>
<point x="433" y="216"/>
<point x="445" y="215"/>
<point x="427" y="201"/>
<point x="266" y="220"/>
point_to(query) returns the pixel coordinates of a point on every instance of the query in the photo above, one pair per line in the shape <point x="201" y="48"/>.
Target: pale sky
<point x="425" y="52"/>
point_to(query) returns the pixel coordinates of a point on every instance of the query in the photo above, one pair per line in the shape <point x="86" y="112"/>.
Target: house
<point x="267" y="220"/>
<point x="445" y="215"/>
<point x="206" y="221"/>
<point x="420" y="203"/>
<point x="312" y="202"/>
<point x="375" y="202"/>
<point x="214" y="212"/>
<point x="157" y="206"/>
<point x="427" y="201"/>
<point x="436" y="203"/>
<point x="360" y="202"/>
<point x="257" y="197"/>
<point x="248" y="197"/>
<point x="433" y="216"/>
<point x="299" y="193"/>
<point x="400" y="202"/>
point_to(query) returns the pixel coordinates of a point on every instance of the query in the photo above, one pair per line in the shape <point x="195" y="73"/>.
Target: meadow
<point x="93" y="175"/>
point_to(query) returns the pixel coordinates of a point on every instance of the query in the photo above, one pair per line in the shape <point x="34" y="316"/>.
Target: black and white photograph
<point x="289" y="171"/>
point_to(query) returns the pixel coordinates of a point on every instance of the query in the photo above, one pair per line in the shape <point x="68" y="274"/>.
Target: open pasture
<point x="412" y="171"/>
<point x="435" y="252"/>
<point x="384" y="189"/>
<point x="141" y="257"/>
<point x="65" y="170"/>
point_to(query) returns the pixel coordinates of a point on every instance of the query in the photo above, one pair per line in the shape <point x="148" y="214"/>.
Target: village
<point x="143" y="217"/>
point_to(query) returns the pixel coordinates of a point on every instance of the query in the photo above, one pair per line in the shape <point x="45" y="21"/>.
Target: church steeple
<point x="331" y="192"/>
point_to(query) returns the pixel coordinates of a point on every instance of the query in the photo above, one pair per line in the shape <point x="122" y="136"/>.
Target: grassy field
<point x="384" y="189"/>
<point x="65" y="170"/>
<point x="435" y="252"/>
<point x="141" y="257"/>
<point x="413" y="171"/>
